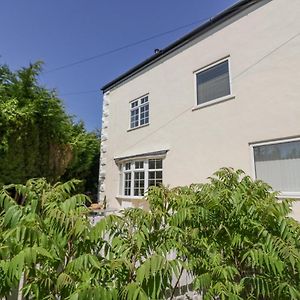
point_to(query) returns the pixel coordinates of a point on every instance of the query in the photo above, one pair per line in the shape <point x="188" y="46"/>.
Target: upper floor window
<point x="278" y="164"/>
<point x="213" y="82"/>
<point x="139" y="112"/>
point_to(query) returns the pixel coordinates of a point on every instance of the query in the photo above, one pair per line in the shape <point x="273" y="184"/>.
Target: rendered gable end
<point x="262" y="44"/>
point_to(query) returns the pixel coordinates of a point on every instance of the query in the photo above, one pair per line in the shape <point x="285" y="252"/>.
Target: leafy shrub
<point x="239" y="240"/>
<point x="46" y="236"/>
<point x="231" y="234"/>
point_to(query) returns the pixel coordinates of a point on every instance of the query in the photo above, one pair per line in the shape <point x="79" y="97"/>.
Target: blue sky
<point x="62" y="32"/>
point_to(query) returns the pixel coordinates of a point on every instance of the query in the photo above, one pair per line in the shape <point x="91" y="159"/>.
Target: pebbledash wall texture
<point x="227" y="94"/>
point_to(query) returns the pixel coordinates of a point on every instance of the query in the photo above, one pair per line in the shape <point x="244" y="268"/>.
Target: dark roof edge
<point x="219" y="18"/>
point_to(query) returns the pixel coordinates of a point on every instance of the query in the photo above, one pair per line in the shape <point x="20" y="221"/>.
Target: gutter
<point x="213" y="22"/>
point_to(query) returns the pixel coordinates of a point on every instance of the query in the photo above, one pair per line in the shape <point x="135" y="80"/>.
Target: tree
<point x="37" y="137"/>
<point x="86" y="158"/>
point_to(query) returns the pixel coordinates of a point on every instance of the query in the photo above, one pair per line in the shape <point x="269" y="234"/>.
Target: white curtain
<point x="282" y="175"/>
<point x="279" y="165"/>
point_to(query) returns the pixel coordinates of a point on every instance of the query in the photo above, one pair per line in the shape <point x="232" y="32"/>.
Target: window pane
<point x="152" y="175"/>
<point x="134" y="113"/>
<point x="134" y="118"/>
<point x="134" y="104"/>
<point x="134" y="124"/>
<point x="139" y="183"/>
<point x="279" y="165"/>
<point x="158" y="174"/>
<point x="127" y="184"/>
<point x="151" y="163"/>
<point x="158" y="164"/>
<point x="144" y="114"/>
<point x="154" y="178"/>
<point x="143" y="118"/>
<point x="151" y="183"/>
<point x="144" y="100"/>
<point x="213" y="83"/>
<point x="155" y="164"/>
<point x="128" y="166"/>
<point x="139" y="165"/>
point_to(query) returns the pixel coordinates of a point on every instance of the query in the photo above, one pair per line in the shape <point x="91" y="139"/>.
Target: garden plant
<point x="232" y="235"/>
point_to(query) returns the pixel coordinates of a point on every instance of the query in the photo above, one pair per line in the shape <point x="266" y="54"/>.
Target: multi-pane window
<point x="139" y="175"/>
<point x="127" y="179"/>
<point x="139" y="183"/>
<point x="213" y="82"/>
<point x="139" y="112"/>
<point x="155" y="172"/>
<point x="279" y="165"/>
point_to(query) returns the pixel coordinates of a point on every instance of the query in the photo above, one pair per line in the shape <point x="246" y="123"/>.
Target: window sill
<point x="213" y="102"/>
<point x="289" y="195"/>
<point x="141" y="126"/>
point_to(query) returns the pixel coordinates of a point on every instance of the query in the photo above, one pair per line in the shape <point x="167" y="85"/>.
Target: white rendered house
<point x="226" y="94"/>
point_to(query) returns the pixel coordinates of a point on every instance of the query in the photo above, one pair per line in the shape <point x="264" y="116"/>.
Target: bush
<point x="231" y="234"/>
<point x="240" y="242"/>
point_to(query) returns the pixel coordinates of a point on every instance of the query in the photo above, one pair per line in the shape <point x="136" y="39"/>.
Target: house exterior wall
<point x="263" y="46"/>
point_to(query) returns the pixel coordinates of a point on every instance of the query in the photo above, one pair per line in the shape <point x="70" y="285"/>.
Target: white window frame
<point x="146" y="173"/>
<point x="217" y="100"/>
<point x="139" y="106"/>
<point x="291" y="194"/>
<point x="124" y="172"/>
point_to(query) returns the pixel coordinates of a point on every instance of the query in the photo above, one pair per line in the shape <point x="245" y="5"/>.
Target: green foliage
<point x="37" y="137"/>
<point x="47" y="237"/>
<point x="231" y="234"/>
<point x="240" y="241"/>
<point x="85" y="158"/>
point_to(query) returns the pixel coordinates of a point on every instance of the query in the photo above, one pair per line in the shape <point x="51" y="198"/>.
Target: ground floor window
<point x="138" y="175"/>
<point x="278" y="163"/>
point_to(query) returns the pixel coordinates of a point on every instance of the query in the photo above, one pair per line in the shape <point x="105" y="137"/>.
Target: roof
<point x="217" y="20"/>
<point x="142" y="155"/>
